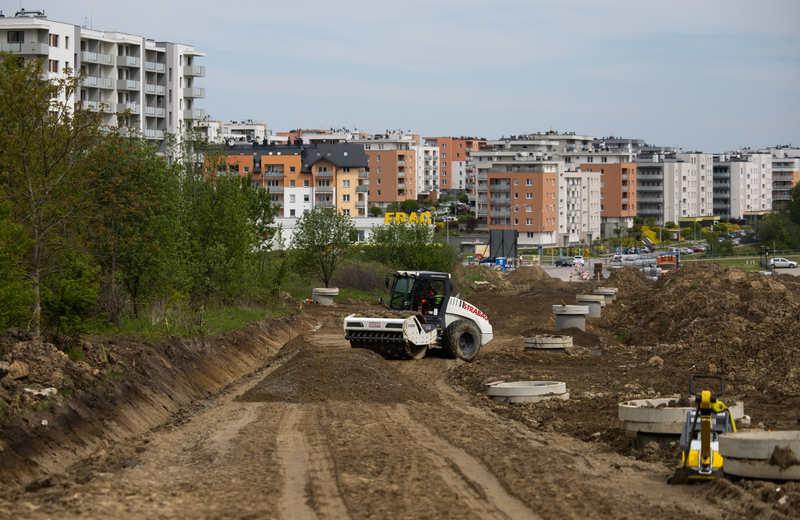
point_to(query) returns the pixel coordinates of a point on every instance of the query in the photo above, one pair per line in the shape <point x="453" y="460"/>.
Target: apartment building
<point x="152" y="85"/>
<point x="302" y="177"/>
<point x="696" y="184"/>
<point x="428" y="179"/>
<point x="614" y="158"/>
<point x="785" y="173"/>
<point x="457" y="166"/>
<point x="393" y="169"/>
<point x="245" y="130"/>
<point x="742" y="185"/>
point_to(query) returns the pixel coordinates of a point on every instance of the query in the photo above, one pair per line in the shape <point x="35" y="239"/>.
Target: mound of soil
<point x="742" y="325"/>
<point x="631" y="282"/>
<point x="316" y="375"/>
<point x="527" y="275"/>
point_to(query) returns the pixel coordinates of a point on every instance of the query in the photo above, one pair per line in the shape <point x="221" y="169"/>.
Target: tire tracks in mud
<point x="310" y="488"/>
<point x="465" y="475"/>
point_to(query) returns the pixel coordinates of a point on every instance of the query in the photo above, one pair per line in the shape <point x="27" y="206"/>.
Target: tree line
<point x="98" y="223"/>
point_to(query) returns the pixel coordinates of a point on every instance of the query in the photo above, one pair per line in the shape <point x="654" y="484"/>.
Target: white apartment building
<point x="696" y="184"/>
<point x="578" y="207"/>
<point x="245" y="130"/>
<point x="742" y="185"/>
<point x="428" y="166"/>
<point x="785" y="173"/>
<point x="153" y="81"/>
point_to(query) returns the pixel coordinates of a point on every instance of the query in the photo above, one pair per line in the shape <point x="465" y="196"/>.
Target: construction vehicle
<point x="667" y="262"/>
<point x="700" y="458"/>
<point x="420" y="315"/>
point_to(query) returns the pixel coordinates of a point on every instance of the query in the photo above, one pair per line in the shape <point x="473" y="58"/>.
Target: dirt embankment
<point x="121" y="388"/>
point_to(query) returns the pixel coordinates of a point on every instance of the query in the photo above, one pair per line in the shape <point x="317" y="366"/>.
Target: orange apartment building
<point x="392" y="160"/>
<point x="300" y="178"/>
<point x="617" y="190"/>
<point x="456" y="166"/>
<point x="523" y="197"/>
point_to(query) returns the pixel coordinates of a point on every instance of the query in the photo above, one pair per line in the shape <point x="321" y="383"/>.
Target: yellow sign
<point x="403" y="218"/>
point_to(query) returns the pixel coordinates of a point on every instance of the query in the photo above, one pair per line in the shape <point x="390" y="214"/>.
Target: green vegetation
<point x="44" y="405"/>
<point x="116" y="374"/>
<point x="75" y="354"/>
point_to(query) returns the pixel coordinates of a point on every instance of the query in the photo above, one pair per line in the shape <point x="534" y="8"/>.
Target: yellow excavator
<point x="700" y="458"/>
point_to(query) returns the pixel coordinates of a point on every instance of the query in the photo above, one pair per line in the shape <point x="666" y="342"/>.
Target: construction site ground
<point x="285" y="420"/>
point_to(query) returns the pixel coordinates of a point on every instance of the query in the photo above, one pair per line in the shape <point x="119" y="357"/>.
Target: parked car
<point x="577" y="260"/>
<point x="449" y="219"/>
<point x="687" y="250"/>
<point x="563" y="262"/>
<point x="782" y="262"/>
<point x="699" y="249"/>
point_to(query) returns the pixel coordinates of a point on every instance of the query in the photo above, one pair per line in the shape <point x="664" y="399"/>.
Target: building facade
<point x="149" y="86"/>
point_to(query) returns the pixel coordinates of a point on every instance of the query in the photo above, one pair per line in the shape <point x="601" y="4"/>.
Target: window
<point x="16" y="36"/>
<point x="590" y="159"/>
<point x="444" y="146"/>
<point x="529" y="209"/>
<point x="379" y="193"/>
<point x="53" y="40"/>
<point x="529" y="221"/>
<point x="528" y="182"/>
<point x="444" y="164"/>
<point x="603" y="159"/>
<point x="458" y="155"/>
<point x="291" y="170"/>
<point x="346" y="212"/>
<point x="291" y="184"/>
<point x="516" y="182"/>
<point x="53" y="66"/>
<point x="346" y="183"/>
<point x="516" y="221"/>
<point x="379" y="170"/>
<point x="66" y="42"/>
<point x="305" y="198"/>
<point x="379" y="182"/>
<point x="346" y="169"/>
<point x="516" y="209"/>
<point x="379" y="158"/>
<point x="291" y="213"/>
<point x="306" y="183"/>
<point x="292" y="198"/>
<point x="444" y="182"/>
<point x="345" y="198"/>
<point x="246" y="169"/>
<point x="529" y="195"/>
<point x="444" y="156"/>
<point x="516" y="195"/>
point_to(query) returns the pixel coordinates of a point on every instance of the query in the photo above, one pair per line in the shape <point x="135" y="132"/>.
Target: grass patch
<point x="75" y="354"/>
<point x="45" y="405"/>
<point x="356" y="294"/>
<point x="115" y="374"/>
<point x="66" y="392"/>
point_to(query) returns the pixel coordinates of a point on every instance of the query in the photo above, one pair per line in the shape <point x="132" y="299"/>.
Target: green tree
<point x="671" y="225"/>
<point x="16" y="294"/>
<point x="321" y="240"/>
<point x="375" y="211"/>
<point x="137" y="236"/>
<point x="409" y="206"/>
<point x="409" y="246"/>
<point x="47" y="164"/>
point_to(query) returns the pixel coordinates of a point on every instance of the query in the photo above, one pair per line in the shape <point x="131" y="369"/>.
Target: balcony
<point x="362" y="189"/>
<point x="401" y="163"/>
<point x="323" y="204"/>
<point x="194" y="92"/>
<point x="500" y="213"/>
<point x="363" y="175"/>
<point x="26" y="49"/>
<point x="155" y="67"/>
<point x="274" y="189"/>
<point x="96" y="57"/>
<point x="155" y="89"/>
<point x="155" y="111"/>
<point x="194" y="71"/>
<point x="401" y="186"/>
<point x="625" y="200"/>
<point x="273" y="173"/>
<point x="401" y="175"/>
<point x="154" y="134"/>
<point x="624" y="176"/>
<point x="324" y="175"/>
<point x="196" y="114"/>
<point x="500" y="187"/>
<point x="97" y="106"/>
<point x="323" y="189"/>
<point x="135" y="108"/>
<point x="361" y="204"/>
<point x="500" y="200"/>
<point x="127" y="61"/>
<point x="428" y="167"/>
<point x="97" y="82"/>
<point x="127" y="84"/>
<point x="624" y="188"/>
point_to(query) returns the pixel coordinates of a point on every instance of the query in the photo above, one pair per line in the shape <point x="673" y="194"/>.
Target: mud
<point x="284" y="420"/>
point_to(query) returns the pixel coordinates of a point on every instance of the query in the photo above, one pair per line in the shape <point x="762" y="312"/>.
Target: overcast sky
<point x="701" y="75"/>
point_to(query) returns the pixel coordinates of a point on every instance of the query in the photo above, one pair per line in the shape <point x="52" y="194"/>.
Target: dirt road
<point x="320" y="450"/>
